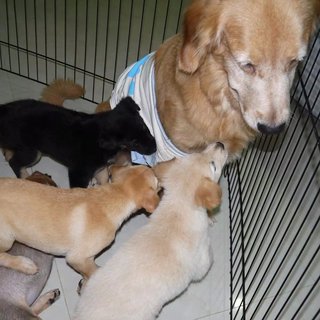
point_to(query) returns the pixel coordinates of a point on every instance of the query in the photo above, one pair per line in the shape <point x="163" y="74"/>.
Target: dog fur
<point x="231" y="70"/>
<point x="60" y="90"/>
<point x="163" y="257"/>
<point x="82" y="142"/>
<point x="56" y="93"/>
<point x="19" y="293"/>
<point x="75" y="223"/>
<point x="227" y="76"/>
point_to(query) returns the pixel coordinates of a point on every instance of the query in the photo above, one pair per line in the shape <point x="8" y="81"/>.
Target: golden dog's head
<point x="258" y="43"/>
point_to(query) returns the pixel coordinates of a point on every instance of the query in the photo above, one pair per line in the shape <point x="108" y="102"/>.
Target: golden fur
<point x="227" y="76"/>
<point x="230" y="69"/>
<point x="60" y="90"/>
<point x="76" y="223"/>
<point x="41" y="178"/>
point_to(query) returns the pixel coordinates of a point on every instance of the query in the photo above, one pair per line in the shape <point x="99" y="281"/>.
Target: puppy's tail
<point x="60" y="90"/>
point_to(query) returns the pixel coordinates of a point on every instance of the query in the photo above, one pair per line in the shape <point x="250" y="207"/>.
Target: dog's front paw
<point x="80" y="286"/>
<point x="54" y="296"/>
<point x="211" y="220"/>
<point x="25" y="265"/>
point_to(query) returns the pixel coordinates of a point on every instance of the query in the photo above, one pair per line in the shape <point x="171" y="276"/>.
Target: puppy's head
<point x="258" y="44"/>
<point x="140" y="183"/>
<point x="131" y="132"/>
<point x="195" y="176"/>
<point x="41" y="178"/>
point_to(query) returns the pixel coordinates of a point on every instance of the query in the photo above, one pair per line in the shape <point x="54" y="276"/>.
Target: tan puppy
<point x="75" y="223"/>
<point x="20" y="297"/>
<point x="164" y="256"/>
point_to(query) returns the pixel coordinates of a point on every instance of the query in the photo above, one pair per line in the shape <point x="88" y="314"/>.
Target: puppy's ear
<point x="150" y="201"/>
<point x="208" y="195"/>
<point x="201" y="29"/>
<point x="161" y="168"/>
<point x="128" y="104"/>
<point x="115" y="172"/>
<point x="123" y="158"/>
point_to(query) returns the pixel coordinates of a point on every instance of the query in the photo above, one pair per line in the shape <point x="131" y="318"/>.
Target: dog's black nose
<point x="271" y="130"/>
<point x="220" y="145"/>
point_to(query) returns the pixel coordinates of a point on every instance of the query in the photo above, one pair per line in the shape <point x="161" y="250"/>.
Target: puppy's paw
<point x="211" y="220"/>
<point x="25" y="265"/>
<point x="54" y="295"/>
<point x="81" y="285"/>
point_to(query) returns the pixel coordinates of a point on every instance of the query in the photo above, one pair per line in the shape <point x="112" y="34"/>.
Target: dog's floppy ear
<point x="208" y="195"/>
<point x="200" y="31"/>
<point x="161" y="168"/>
<point x="115" y="169"/>
<point x="150" y="201"/>
<point x="128" y="104"/>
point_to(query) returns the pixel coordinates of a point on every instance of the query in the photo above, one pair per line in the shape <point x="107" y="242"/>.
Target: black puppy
<point x="80" y="141"/>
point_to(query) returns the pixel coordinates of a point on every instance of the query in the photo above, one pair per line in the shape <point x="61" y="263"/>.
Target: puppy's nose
<point x="271" y="130"/>
<point x="220" y="145"/>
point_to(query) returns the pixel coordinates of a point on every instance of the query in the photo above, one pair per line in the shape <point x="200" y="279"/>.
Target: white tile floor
<point x="208" y="299"/>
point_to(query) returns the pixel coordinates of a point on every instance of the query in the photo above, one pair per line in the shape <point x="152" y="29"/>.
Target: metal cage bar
<point x="89" y="42"/>
<point x="274" y="213"/>
<point x="273" y="189"/>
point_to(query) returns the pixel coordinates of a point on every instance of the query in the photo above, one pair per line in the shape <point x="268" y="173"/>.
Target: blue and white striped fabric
<point x="137" y="81"/>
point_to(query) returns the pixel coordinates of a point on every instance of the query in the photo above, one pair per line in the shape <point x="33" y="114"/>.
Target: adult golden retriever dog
<point x="226" y="77"/>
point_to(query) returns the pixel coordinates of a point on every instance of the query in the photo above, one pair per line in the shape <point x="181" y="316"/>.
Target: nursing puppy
<point x="82" y="142"/>
<point x="19" y="293"/>
<point x="226" y="77"/>
<point x="75" y="223"/>
<point x="164" y="256"/>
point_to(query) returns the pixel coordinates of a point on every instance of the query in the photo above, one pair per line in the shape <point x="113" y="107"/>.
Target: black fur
<point x="80" y="141"/>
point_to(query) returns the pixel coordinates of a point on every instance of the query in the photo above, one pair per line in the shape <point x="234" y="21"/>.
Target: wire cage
<point x="273" y="189"/>
<point x="275" y="211"/>
<point x="90" y="42"/>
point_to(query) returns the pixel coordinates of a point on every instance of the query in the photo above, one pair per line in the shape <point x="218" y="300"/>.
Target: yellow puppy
<point x="75" y="223"/>
<point x="161" y="259"/>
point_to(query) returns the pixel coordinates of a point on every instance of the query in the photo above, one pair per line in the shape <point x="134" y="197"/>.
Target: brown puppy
<point x="226" y="77"/>
<point x="75" y="223"/>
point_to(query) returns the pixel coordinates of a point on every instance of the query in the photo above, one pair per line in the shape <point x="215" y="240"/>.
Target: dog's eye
<point x="248" y="68"/>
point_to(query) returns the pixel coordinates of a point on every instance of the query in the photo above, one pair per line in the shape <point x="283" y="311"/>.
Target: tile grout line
<point x="62" y="289"/>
